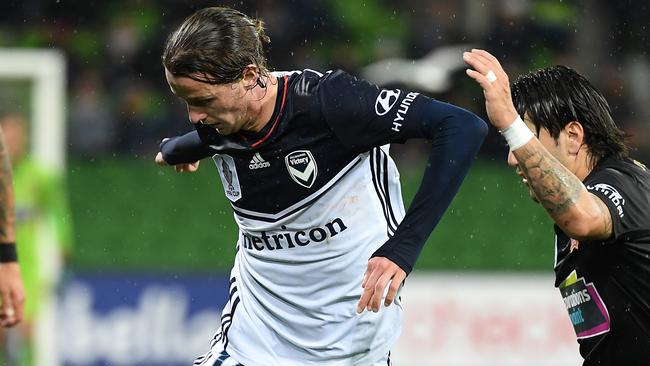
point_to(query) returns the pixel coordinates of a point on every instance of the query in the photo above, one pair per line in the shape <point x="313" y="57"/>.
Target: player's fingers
<point x="379" y="288"/>
<point x="18" y="301"/>
<point x="7" y="313"/>
<point x="477" y="62"/>
<point x="489" y="62"/>
<point x="489" y="67"/>
<point x="395" y="283"/>
<point x="488" y="56"/>
<point x="192" y="167"/>
<point x="480" y="79"/>
<point x="484" y="67"/>
<point x="189" y="168"/>
<point x="159" y="159"/>
<point x="494" y="64"/>
<point x="368" y="289"/>
<point x="373" y="276"/>
<point x="366" y="276"/>
<point x="363" y="301"/>
<point x="11" y="319"/>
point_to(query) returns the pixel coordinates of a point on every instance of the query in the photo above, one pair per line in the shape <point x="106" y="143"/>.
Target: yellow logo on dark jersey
<point x="640" y="164"/>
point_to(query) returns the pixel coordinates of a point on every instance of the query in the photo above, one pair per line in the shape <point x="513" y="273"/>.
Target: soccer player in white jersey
<point x="303" y="158"/>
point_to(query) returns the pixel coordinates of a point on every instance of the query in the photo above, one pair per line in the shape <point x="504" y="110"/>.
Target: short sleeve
<point x="626" y="200"/>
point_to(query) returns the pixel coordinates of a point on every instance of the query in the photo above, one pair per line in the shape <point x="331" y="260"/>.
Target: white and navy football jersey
<point x="315" y="194"/>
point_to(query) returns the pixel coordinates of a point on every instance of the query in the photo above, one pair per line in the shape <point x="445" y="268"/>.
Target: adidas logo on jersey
<point x="257" y="162"/>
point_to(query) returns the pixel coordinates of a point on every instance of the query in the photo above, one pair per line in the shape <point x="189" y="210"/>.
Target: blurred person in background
<point x="574" y="160"/>
<point x="92" y="123"/>
<point x="40" y="203"/>
<point x="12" y="293"/>
<point x="303" y="158"/>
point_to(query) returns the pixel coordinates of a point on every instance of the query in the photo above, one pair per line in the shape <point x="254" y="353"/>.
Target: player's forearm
<point x="7" y="203"/>
<point x="456" y="141"/>
<point x="560" y="192"/>
<point x="184" y="149"/>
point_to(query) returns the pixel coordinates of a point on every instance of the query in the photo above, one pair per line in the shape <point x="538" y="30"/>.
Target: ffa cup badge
<point x="226" y="167"/>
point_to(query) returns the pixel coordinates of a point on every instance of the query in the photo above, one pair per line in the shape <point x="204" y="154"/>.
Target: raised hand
<point x="489" y="74"/>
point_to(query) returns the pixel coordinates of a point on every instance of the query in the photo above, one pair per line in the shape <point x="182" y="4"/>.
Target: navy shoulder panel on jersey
<point x="362" y="115"/>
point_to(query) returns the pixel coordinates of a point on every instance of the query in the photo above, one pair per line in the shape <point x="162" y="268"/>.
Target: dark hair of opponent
<point x="554" y="96"/>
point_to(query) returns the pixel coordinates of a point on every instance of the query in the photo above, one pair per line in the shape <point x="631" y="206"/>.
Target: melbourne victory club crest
<point x="302" y="167"/>
<point x="228" y="173"/>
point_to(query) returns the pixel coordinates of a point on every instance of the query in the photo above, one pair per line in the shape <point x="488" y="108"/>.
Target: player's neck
<point x="584" y="164"/>
<point x="267" y="102"/>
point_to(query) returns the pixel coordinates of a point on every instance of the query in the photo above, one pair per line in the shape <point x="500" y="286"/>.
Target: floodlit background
<point x="127" y="263"/>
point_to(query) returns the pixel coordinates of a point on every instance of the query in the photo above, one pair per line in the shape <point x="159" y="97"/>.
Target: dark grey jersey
<point x="605" y="284"/>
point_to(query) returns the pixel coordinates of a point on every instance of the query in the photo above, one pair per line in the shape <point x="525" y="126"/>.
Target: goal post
<point x="45" y="69"/>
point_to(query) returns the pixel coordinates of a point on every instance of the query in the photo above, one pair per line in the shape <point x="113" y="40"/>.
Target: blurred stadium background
<point x="129" y="260"/>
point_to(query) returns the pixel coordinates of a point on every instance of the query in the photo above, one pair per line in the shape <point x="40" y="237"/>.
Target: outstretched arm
<point x="184" y="152"/>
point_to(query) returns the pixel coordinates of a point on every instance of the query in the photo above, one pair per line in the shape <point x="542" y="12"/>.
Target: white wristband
<point x="517" y="134"/>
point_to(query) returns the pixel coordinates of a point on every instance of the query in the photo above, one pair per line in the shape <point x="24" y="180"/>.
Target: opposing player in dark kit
<point x="303" y="158"/>
<point x="576" y="165"/>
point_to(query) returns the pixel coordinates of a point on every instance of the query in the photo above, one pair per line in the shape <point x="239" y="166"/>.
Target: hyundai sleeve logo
<point x="386" y="100"/>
